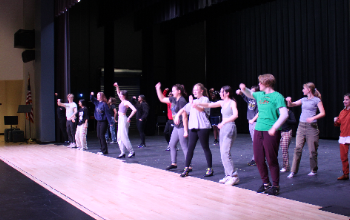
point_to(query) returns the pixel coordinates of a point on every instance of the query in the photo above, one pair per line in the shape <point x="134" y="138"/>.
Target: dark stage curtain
<point x="62" y="61"/>
<point x="61" y="6"/>
<point x="297" y="41"/>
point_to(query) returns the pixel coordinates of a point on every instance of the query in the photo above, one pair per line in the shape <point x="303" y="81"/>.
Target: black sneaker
<point x="215" y="142"/>
<point x="141" y="146"/>
<point x="185" y="172"/>
<point x="210" y="172"/>
<point x="167" y="149"/>
<point x="252" y="163"/>
<point x="263" y="187"/>
<point x="171" y="167"/>
<point x="274" y="190"/>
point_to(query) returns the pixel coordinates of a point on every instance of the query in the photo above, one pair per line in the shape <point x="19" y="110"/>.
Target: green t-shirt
<point x="268" y="105"/>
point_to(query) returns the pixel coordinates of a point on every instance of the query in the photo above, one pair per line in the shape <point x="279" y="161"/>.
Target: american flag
<point x="30" y="115"/>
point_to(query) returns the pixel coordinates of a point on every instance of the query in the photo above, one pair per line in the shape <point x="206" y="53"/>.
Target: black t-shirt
<point x="176" y="106"/>
<point x="111" y="109"/>
<point x="83" y="115"/>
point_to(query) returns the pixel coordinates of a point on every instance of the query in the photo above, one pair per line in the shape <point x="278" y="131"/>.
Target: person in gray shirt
<point x="307" y="129"/>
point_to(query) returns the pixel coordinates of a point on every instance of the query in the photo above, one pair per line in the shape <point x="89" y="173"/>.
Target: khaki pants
<point x="306" y="133"/>
<point x="80" y="136"/>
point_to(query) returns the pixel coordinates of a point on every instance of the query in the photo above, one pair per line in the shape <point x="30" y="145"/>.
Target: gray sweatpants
<point x="176" y="136"/>
<point x="228" y="134"/>
<point x="251" y="131"/>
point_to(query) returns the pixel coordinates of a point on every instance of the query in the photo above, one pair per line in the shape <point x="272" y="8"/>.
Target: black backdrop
<point x="227" y="43"/>
<point x="296" y="40"/>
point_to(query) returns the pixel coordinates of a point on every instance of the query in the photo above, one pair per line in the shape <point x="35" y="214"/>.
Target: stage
<point x="55" y="182"/>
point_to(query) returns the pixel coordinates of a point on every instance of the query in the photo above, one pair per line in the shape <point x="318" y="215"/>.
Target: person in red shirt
<point x="343" y="120"/>
<point x="169" y="126"/>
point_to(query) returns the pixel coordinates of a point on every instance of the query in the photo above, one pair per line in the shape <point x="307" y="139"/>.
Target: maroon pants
<point x="266" y="146"/>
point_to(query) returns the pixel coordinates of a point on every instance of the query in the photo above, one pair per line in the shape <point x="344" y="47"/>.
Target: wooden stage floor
<point x="107" y="188"/>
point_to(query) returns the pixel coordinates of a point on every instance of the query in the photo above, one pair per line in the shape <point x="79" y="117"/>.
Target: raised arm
<point x="292" y="104"/>
<point x="160" y="95"/>
<point x="116" y="88"/>
<point x="59" y="103"/>
<point x="246" y="91"/>
<point x="93" y="99"/>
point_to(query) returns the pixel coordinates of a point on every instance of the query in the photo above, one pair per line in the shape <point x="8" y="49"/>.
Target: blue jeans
<point x="112" y="130"/>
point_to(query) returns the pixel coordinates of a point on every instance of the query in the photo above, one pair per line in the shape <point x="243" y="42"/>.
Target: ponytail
<point x="313" y="89"/>
<point x="205" y="91"/>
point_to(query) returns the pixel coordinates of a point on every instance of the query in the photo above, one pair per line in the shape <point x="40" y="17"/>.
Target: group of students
<point x="270" y="125"/>
<point x="105" y="115"/>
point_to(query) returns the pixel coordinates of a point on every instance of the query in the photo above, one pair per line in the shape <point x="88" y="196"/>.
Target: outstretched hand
<point x="242" y="86"/>
<point x="158" y="85"/>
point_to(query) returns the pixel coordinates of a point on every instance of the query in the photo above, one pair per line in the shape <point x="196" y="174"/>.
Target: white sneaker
<point x="70" y="145"/>
<point x="283" y="170"/>
<point x="99" y="153"/>
<point x="223" y="180"/>
<point x="73" y="145"/>
<point x="312" y="173"/>
<point x="232" y="181"/>
<point x="291" y="175"/>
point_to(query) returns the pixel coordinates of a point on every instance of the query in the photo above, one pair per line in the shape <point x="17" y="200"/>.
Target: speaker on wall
<point x="28" y="55"/>
<point x="24" y="39"/>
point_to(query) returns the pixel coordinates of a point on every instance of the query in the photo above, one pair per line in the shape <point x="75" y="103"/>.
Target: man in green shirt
<point x="272" y="114"/>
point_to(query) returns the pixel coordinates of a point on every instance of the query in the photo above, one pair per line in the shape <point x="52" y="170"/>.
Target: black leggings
<point x="203" y="136"/>
<point x="141" y="125"/>
<point x="101" y="131"/>
<point x="71" y="127"/>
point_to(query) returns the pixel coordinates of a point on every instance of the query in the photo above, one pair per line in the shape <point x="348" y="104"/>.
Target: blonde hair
<point x="70" y="95"/>
<point x="267" y="80"/>
<point x="313" y="89"/>
<point x="205" y="91"/>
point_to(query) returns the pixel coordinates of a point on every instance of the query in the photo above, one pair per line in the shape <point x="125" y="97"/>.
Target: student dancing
<point x="142" y="108"/>
<point x="71" y="110"/>
<point x="307" y="129"/>
<point x="228" y="132"/>
<point x="113" y="112"/>
<point x="199" y="128"/>
<point x="103" y="118"/>
<point x="343" y="120"/>
<point x="286" y="138"/>
<point x="252" y="114"/>
<point x="124" y="123"/>
<point x="180" y="132"/>
<point x="83" y="118"/>
<point x="169" y="126"/>
<point x="272" y="114"/>
<point x="62" y="121"/>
